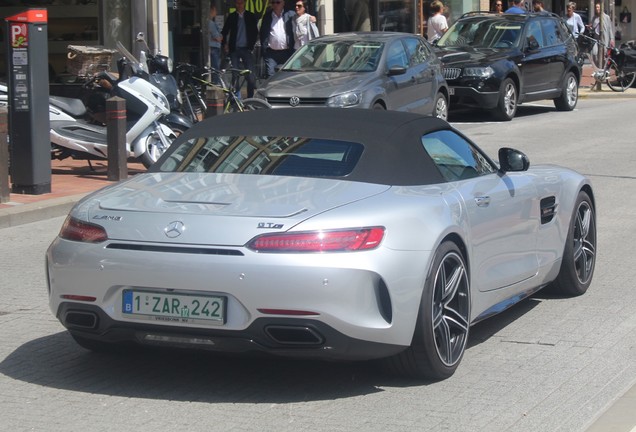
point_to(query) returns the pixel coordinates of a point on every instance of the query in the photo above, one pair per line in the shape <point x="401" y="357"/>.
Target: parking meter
<point x="28" y="89"/>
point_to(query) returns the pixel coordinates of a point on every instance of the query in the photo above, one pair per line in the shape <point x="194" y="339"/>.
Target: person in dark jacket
<point x="240" y="33"/>
<point x="277" y="35"/>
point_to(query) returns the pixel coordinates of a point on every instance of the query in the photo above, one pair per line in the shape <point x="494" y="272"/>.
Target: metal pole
<point x="4" y="156"/>
<point x="116" y="139"/>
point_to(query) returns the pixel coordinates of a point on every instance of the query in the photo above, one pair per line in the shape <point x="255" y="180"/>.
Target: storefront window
<point x="396" y="15"/>
<point x="367" y="15"/>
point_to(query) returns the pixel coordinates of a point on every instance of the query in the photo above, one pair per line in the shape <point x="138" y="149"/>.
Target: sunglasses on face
<point x="299" y="6"/>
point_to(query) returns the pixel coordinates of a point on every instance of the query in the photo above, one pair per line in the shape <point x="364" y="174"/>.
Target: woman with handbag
<point x="304" y="25"/>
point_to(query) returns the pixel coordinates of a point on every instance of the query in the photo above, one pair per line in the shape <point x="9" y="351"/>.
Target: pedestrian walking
<point x="304" y="25"/>
<point x="240" y="33"/>
<point x="215" y="38"/>
<point x="277" y="35"/>
<point x="437" y="24"/>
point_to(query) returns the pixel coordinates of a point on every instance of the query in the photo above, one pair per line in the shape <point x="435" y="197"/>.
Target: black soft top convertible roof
<point x="393" y="151"/>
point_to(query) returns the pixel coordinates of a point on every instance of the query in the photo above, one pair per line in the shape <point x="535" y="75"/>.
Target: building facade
<point x="178" y="27"/>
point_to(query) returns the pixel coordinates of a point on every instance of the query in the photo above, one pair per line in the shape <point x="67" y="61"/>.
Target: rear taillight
<point x="319" y="241"/>
<point x="76" y="230"/>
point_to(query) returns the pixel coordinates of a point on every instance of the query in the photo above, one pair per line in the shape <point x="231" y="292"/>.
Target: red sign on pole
<point x="19" y="29"/>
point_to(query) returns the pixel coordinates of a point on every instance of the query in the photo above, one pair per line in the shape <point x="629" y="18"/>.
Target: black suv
<point x="497" y="61"/>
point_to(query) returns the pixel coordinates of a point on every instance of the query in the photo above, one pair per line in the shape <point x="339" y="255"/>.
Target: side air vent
<point x="174" y="249"/>
<point x="548" y="209"/>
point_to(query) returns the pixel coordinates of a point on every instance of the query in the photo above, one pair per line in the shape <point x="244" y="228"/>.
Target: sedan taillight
<point x="76" y="230"/>
<point x="319" y="241"/>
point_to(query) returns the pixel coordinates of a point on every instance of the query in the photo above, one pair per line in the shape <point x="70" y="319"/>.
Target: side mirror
<point x="512" y="160"/>
<point x="532" y="44"/>
<point x="397" y="70"/>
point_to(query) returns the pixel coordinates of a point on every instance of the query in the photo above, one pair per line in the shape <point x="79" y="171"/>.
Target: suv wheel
<point x="569" y="94"/>
<point x="507" y="105"/>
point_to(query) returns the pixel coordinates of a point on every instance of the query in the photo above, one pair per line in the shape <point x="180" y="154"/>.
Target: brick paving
<point x="72" y="177"/>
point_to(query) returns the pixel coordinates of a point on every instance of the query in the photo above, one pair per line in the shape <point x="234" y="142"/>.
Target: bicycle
<point x="193" y="85"/>
<point x="616" y="74"/>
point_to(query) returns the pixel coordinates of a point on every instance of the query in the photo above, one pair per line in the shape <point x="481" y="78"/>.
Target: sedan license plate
<point x="177" y="308"/>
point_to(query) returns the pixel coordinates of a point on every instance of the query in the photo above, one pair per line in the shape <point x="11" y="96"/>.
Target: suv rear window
<point x="273" y="155"/>
<point x="482" y="33"/>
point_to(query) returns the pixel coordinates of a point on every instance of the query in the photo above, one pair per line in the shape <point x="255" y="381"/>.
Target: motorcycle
<point x="152" y="126"/>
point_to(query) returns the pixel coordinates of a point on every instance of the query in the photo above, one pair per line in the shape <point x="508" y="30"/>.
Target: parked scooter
<point x="151" y="125"/>
<point x="155" y="68"/>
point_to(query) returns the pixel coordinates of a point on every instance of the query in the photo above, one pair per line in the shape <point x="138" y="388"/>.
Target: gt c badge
<point x="269" y="225"/>
<point x="174" y="229"/>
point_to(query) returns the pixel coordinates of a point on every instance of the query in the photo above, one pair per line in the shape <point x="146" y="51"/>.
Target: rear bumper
<point x="290" y="337"/>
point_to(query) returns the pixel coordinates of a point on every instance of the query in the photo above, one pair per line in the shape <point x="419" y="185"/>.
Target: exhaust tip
<point x="85" y="320"/>
<point x="294" y="335"/>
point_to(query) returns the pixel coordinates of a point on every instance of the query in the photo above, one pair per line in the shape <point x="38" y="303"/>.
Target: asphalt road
<point x="547" y="364"/>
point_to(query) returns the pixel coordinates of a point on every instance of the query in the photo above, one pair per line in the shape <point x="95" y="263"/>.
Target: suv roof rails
<point x="525" y="15"/>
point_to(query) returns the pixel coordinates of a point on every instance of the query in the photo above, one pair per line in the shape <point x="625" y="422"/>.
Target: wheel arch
<point x="379" y="101"/>
<point x="587" y="188"/>
<point x="577" y="73"/>
<point x="515" y="78"/>
<point x="461" y="244"/>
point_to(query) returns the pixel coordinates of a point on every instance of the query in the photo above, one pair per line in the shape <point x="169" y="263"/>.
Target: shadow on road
<point x="57" y="361"/>
<point x="463" y="115"/>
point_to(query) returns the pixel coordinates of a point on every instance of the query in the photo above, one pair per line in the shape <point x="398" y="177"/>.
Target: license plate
<point x="176" y="308"/>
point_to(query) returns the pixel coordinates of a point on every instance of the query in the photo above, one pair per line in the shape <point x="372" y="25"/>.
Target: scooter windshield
<point x="131" y="58"/>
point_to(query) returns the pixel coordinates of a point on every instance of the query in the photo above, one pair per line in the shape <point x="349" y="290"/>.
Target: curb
<point x="34" y="212"/>
<point x="607" y="94"/>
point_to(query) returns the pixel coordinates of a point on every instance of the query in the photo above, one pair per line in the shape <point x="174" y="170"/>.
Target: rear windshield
<point x="265" y="155"/>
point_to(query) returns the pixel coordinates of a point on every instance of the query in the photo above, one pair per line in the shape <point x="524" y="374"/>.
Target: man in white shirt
<point x="277" y="36"/>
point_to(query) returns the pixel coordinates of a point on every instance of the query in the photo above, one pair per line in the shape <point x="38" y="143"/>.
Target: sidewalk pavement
<point x="70" y="181"/>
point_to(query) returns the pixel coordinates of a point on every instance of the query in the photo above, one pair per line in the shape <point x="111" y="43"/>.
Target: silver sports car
<point x="310" y="233"/>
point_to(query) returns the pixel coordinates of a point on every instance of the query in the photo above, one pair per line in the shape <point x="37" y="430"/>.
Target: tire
<point x="441" y="106"/>
<point x="569" y="94"/>
<point x="618" y="80"/>
<point x="508" y="99"/>
<point x="154" y="146"/>
<point x="252" y="104"/>
<point x="441" y="331"/>
<point x="579" y="255"/>
<point x="378" y="107"/>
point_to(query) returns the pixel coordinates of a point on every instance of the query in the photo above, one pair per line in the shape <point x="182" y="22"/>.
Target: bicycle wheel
<point x="618" y="80"/>
<point x="251" y="104"/>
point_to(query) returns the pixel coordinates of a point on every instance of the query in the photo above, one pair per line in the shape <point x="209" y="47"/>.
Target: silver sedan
<point x="378" y="70"/>
<point x="310" y="234"/>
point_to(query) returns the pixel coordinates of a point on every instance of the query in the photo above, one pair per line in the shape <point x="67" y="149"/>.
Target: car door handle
<point x="482" y="201"/>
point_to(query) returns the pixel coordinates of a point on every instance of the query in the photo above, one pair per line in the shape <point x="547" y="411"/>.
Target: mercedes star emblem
<point x="174" y="229"/>
<point x="294" y="101"/>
